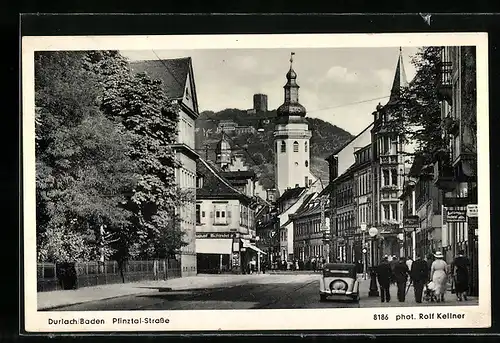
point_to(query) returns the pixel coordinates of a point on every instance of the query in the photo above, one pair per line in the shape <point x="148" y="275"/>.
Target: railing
<point x="445" y="80"/>
<point x="389" y="159"/>
<point x="97" y="273"/>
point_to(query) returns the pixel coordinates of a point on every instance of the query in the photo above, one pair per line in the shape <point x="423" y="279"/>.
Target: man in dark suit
<point x="384" y="274"/>
<point x="419" y="276"/>
<point x="401" y="277"/>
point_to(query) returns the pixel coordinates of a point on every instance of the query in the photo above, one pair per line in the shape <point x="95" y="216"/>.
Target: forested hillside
<point x="259" y="146"/>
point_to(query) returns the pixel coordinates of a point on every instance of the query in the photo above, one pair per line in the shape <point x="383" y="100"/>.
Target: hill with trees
<point x="257" y="148"/>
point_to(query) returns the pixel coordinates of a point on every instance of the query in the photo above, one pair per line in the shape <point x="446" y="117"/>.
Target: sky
<point x="330" y="79"/>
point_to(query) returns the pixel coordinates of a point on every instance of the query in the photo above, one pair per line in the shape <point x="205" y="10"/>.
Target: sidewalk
<point x="367" y="301"/>
<point x="57" y="299"/>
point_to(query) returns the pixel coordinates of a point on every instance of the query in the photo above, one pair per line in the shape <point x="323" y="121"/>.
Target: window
<point x="295" y="146"/>
<point x="199" y="182"/>
<point x="386" y="209"/>
<point x="306" y="179"/>
<point x="198" y="218"/>
<point x="394" y="176"/>
<point x="220" y="215"/>
<point x="307" y="164"/>
<point x="283" y="146"/>
<point x="394" y="208"/>
<point x="203" y="214"/>
<point x="305" y="147"/>
<point x="385" y="177"/>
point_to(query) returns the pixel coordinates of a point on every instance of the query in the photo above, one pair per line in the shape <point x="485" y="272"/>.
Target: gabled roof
<point x="239" y="174"/>
<point x="215" y="185"/>
<point x="346" y="174"/>
<point x="338" y="150"/>
<point x="172" y="72"/>
<point x="290" y="193"/>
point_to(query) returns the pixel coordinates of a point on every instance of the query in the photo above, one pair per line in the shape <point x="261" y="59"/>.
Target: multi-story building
<point x="225" y="218"/>
<point x="178" y="83"/>
<point x="455" y="173"/>
<point x="422" y="201"/>
<point x="388" y="169"/>
<point x="343" y="216"/>
<point x="311" y="228"/>
<point x="363" y="193"/>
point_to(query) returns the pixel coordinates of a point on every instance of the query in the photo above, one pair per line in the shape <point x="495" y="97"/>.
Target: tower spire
<point x="400" y="80"/>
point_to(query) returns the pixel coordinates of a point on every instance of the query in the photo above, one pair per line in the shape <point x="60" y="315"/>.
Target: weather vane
<point x="291" y="58"/>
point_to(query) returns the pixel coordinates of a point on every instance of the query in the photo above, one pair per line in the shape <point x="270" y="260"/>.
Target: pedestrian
<point x="439" y="275"/>
<point x="419" y="277"/>
<point x="263" y="266"/>
<point x="384" y="273"/>
<point x="430" y="259"/>
<point x="401" y="277"/>
<point x="409" y="262"/>
<point x="460" y="272"/>
<point x="392" y="263"/>
<point x="313" y="263"/>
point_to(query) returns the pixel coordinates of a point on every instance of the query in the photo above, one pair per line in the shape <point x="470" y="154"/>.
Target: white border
<point x="293" y="319"/>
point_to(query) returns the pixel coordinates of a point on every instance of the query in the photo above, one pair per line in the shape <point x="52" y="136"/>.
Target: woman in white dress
<point x="439" y="270"/>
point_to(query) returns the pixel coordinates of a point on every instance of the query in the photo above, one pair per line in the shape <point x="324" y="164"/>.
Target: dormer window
<point x="187" y="93"/>
<point x="199" y="182"/>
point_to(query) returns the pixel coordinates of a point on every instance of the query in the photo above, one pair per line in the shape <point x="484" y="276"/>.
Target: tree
<point x="82" y="167"/>
<point x="141" y="106"/>
<point x="417" y="113"/>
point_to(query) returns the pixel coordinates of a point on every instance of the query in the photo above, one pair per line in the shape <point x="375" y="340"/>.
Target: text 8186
<point x="380" y="317"/>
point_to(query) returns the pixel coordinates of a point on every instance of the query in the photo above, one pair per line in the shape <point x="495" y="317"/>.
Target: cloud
<point x="342" y="75"/>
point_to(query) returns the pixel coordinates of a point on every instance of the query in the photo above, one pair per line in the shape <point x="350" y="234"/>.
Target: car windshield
<point x="345" y="270"/>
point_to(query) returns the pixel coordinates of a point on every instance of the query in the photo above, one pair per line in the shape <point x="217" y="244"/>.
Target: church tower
<point x="223" y="153"/>
<point x="291" y="139"/>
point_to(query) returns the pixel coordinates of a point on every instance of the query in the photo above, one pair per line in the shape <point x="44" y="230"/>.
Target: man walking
<point x="384" y="274"/>
<point x="392" y="264"/>
<point x="401" y="277"/>
<point x="419" y="276"/>
<point x="460" y="272"/>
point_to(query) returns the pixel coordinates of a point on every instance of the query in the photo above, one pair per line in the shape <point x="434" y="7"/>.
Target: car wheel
<point x="322" y="297"/>
<point x="356" y="298"/>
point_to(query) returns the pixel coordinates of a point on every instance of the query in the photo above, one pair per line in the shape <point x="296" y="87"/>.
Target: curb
<point x="82" y="302"/>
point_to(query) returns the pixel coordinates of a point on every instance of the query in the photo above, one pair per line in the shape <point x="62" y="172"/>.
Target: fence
<point x="97" y="273"/>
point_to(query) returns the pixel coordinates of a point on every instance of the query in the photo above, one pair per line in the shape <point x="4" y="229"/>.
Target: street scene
<point x="209" y="179"/>
<point x="216" y="292"/>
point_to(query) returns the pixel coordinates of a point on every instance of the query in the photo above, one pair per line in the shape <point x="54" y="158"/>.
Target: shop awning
<point x="214" y="246"/>
<point x="247" y="244"/>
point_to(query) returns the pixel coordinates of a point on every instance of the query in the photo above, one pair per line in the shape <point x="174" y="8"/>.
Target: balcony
<point x="450" y="125"/>
<point x="444" y="86"/>
<point x="444" y="176"/>
<point x="389" y="159"/>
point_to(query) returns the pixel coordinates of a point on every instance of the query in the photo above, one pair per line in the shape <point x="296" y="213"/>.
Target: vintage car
<point x="339" y="280"/>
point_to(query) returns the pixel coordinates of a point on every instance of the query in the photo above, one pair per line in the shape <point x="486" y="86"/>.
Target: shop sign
<point x="411" y="222"/>
<point x="455" y="216"/>
<point x="214" y="235"/>
<point x="471" y="211"/>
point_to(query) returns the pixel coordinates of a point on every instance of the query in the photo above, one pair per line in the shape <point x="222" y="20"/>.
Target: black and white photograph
<point x="177" y="184"/>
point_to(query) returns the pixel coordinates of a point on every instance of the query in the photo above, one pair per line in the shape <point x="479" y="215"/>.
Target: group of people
<point x="314" y="263"/>
<point x="433" y="272"/>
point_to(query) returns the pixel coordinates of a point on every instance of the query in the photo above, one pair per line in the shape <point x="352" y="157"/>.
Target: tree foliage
<point x="82" y="167"/>
<point x="417" y="114"/>
<point x="104" y="158"/>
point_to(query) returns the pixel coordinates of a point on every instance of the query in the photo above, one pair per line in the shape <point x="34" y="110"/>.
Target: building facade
<point x="363" y="194"/>
<point x="389" y="168"/>
<point x="311" y="226"/>
<point x="181" y="89"/>
<point x="225" y="217"/>
<point x="455" y="172"/>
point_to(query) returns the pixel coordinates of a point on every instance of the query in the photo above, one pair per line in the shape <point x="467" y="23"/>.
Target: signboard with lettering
<point x="471" y="211"/>
<point x="214" y="235"/>
<point x="411" y="222"/>
<point x="455" y="216"/>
